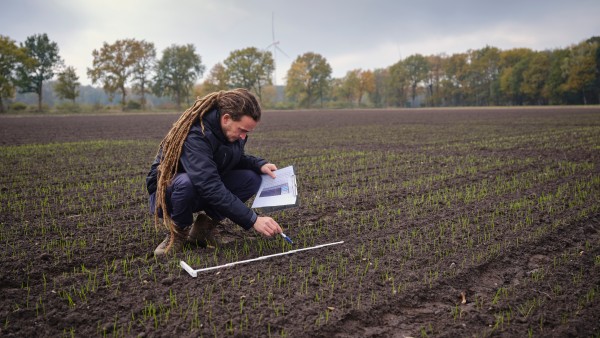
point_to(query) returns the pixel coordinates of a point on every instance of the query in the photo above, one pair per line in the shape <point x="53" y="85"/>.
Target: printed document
<point x="277" y="193"/>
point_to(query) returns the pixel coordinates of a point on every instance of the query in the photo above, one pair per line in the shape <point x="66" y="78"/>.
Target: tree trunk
<point x="123" y="97"/>
<point x="178" y="101"/>
<point x="143" y="97"/>
<point x="40" y="100"/>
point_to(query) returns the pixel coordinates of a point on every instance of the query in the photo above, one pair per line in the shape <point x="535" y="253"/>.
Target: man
<point x="201" y="166"/>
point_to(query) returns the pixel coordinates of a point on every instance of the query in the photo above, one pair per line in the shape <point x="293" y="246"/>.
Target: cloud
<point x="350" y="34"/>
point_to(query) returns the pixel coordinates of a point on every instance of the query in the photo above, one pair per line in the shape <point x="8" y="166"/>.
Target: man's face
<point x="236" y="130"/>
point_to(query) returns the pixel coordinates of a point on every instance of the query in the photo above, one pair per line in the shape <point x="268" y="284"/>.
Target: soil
<point x="421" y="257"/>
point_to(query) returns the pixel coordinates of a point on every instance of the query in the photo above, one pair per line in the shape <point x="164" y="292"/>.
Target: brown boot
<point x="203" y="231"/>
<point x="168" y="247"/>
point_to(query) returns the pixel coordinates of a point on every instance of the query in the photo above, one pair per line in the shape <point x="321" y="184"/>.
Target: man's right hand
<point x="267" y="226"/>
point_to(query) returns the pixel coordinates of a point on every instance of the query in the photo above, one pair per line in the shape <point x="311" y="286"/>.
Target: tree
<point x="177" y="71"/>
<point x="513" y="63"/>
<point x="581" y="70"/>
<point x="349" y="87"/>
<point x="67" y="85"/>
<point x="308" y="79"/>
<point x="11" y="58"/>
<point x="596" y="86"/>
<point x="250" y="68"/>
<point x="456" y="82"/>
<point x="46" y="61"/>
<point x="397" y="82"/>
<point x="416" y="69"/>
<point x="113" y="66"/>
<point x="215" y="80"/>
<point x="366" y="84"/>
<point x="297" y="80"/>
<point x="379" y="97"/>
<point x="355" y="85"/>
<point x="144" y="63"/>
<point x="535" y="78"/>
<point x="435" y="74"/>
<point x="484" y="72"/>
<point x="553" y="89"/>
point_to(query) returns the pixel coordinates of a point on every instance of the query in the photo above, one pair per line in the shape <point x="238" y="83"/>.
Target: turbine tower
<point x="275" y="45"/>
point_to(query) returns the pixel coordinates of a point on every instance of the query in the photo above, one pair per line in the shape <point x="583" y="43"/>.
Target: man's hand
<point x="268" y="169"/>
<point x="267" y="226"/>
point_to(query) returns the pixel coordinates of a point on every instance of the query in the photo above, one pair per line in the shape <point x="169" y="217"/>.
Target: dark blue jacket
<point x="208" y="155"/>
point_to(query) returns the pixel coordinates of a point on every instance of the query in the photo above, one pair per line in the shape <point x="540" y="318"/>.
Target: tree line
<point x="481" y="77"/>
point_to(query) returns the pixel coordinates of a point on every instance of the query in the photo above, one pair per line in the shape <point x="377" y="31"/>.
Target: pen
<point x="289" y="240"/>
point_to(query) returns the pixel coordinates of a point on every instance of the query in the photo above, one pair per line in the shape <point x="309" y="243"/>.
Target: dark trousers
<point x="183" y="201"/>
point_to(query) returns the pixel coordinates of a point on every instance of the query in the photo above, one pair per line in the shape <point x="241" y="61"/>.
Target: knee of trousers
<point x="254" y="181"/>
<point x="243" y="183"/>
<point x="182" y="187"/>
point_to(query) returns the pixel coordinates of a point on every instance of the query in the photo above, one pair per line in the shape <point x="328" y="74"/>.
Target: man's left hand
<point x="269" y="169"/>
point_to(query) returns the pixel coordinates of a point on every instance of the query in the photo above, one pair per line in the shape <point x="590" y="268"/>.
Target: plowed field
<point x="455" y="222"/>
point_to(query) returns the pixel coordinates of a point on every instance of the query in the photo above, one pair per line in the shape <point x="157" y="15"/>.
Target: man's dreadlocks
<point x="236" y="103"/>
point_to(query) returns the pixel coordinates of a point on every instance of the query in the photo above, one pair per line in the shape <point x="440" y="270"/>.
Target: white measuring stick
<point x="194" y="273"/>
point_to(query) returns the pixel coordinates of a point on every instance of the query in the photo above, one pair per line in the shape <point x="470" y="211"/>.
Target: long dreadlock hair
<point x="236" y="103"/>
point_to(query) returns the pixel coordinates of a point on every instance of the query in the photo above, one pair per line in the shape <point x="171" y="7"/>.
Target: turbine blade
<point x="279" y="49"/>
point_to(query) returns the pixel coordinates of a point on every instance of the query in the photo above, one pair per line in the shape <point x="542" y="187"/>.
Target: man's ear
<point x="225" y="118"/>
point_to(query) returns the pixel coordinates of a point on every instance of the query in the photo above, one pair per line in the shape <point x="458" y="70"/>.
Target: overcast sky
<point x="350" y="34"/>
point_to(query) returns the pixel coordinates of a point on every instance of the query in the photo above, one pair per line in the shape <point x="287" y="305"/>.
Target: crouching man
<point x="201" y="167"/>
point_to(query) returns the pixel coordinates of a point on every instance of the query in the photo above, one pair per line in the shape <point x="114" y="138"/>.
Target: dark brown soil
<point x="455" y="222"/>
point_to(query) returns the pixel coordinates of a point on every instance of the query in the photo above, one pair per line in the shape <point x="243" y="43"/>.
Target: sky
<point x="349" y="34"/>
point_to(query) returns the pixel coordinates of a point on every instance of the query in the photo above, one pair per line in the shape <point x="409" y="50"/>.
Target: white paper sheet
<point x="279" y="191"/>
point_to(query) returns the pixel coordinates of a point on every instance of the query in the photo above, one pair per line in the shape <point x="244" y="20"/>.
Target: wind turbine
<point x="275" y="46"/>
